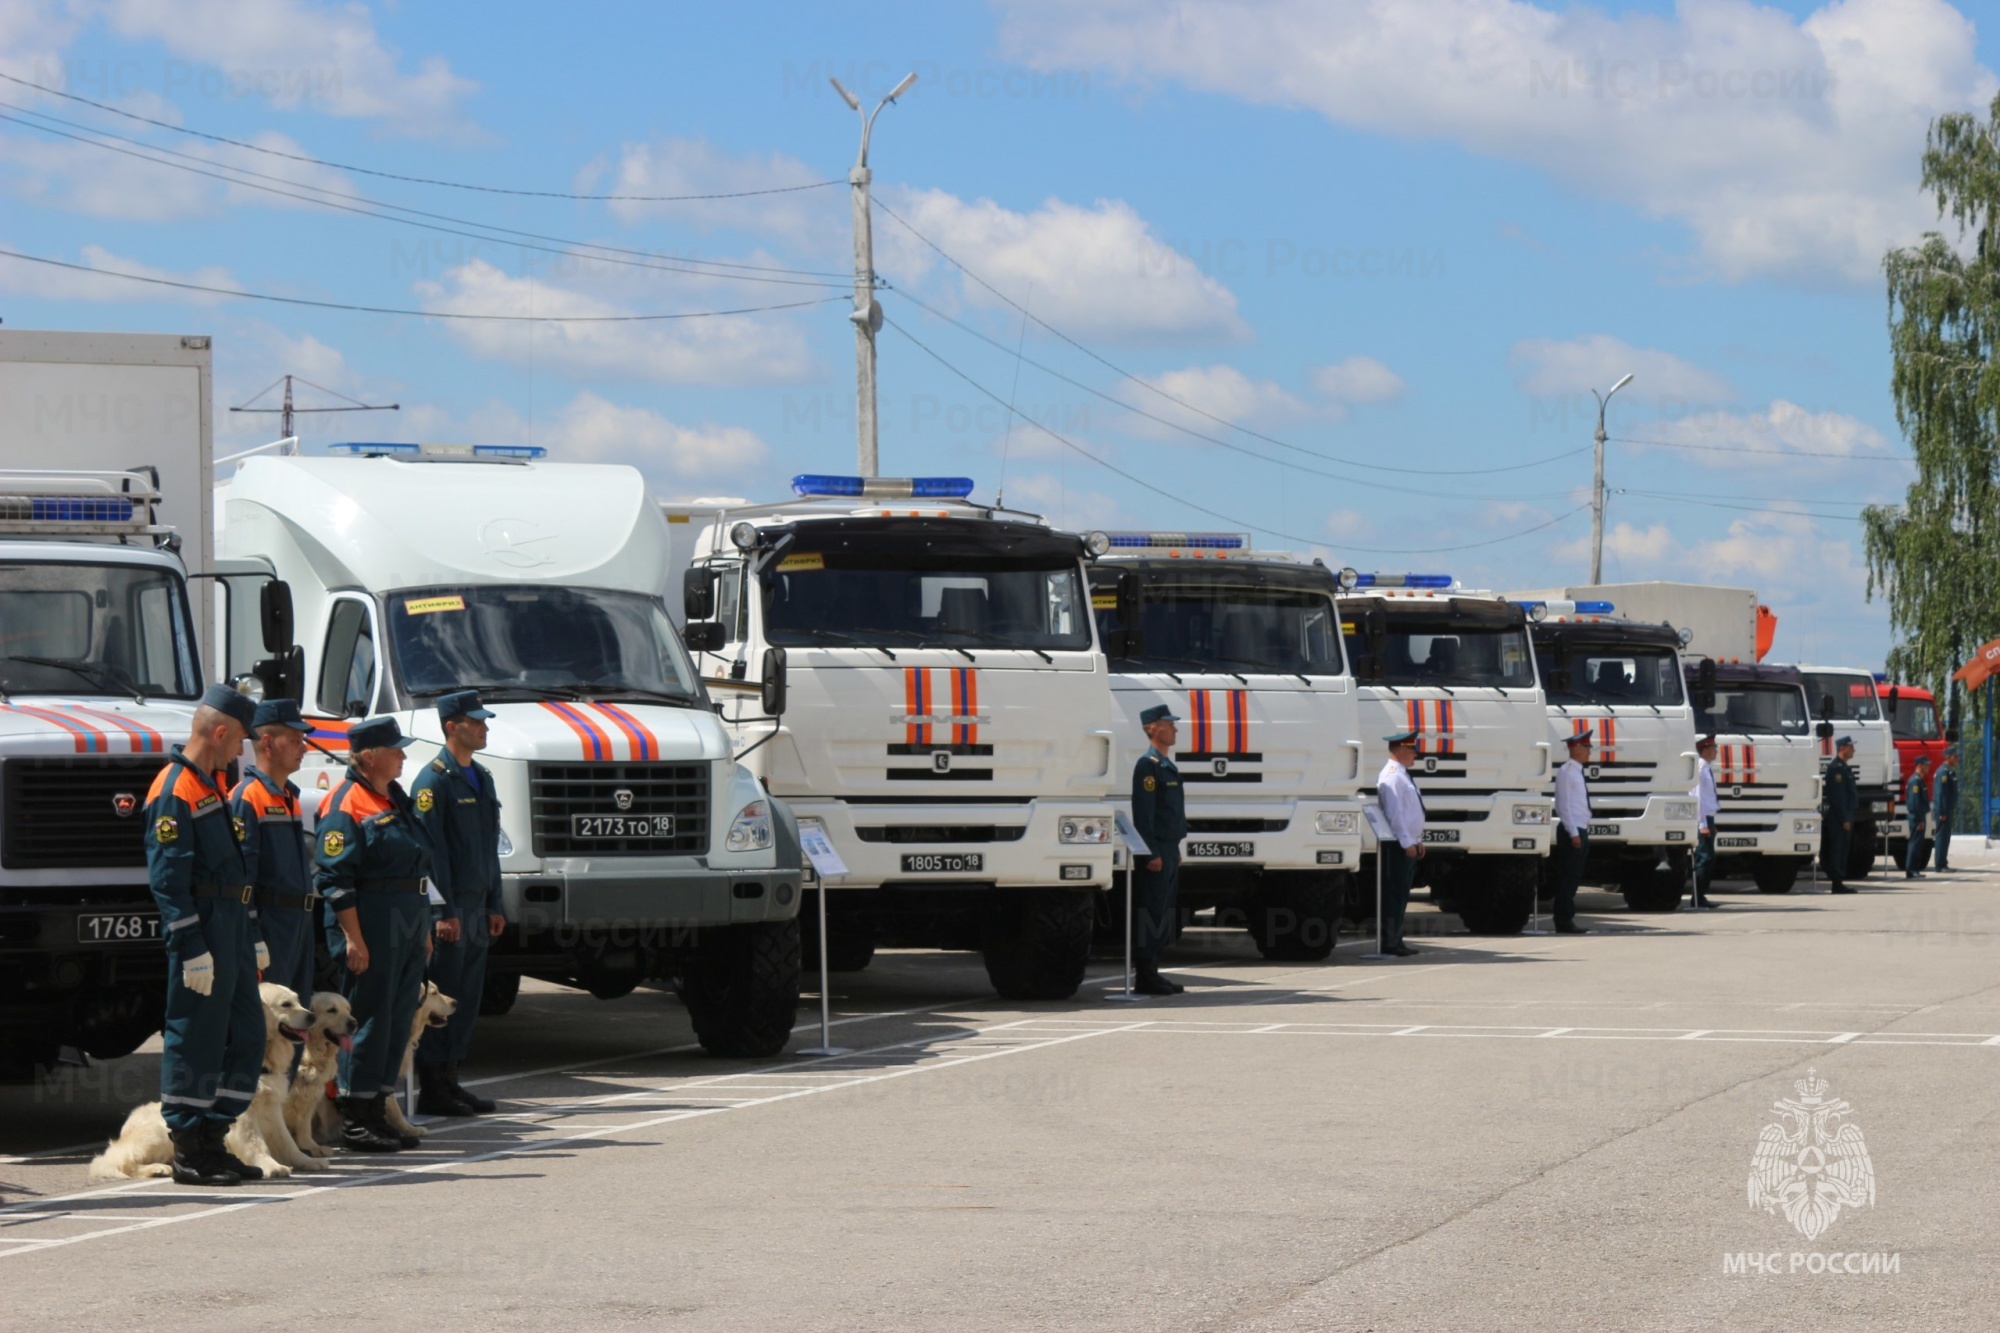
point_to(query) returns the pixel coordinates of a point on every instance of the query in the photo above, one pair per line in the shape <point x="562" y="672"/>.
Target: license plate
<point x="1879" y="808"/>
<point x="1735" y="842"/>
<point x="621" y="826"/>
<point x="117" y="927"/>
<point x="942" y="863"/>
<point x="1440" y="835"/>
<point x="1195" y="849"/>
<point x="1331" y="858"/>
<point x="1603" y="830"/>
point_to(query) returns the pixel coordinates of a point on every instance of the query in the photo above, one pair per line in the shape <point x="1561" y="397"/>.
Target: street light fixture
<point x="1597" y="487"/>
<point x="867" y="313"/>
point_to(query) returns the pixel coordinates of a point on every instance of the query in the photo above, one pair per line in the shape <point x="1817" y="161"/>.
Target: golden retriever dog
<point x="434" y="1010"/>
<point x="258" y="1137"/>
<point x="333" y="1029"/>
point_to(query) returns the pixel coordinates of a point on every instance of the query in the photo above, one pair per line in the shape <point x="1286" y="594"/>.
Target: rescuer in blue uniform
<point x="461" y="814"/>
<point x="1917" y="801"/>
<point x="1159" y="813"/>
<point x="1840" y="801"/>
<point x="1946" y="784"/>
<point x="372" y="858"/>
<point x="213" y="1044"/>
<point x="266" y="805"/>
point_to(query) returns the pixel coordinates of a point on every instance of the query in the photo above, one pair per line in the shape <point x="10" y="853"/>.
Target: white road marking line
<point x="1556" y="1032"/>
<point x="1842" y="1039"/>
<point x="1410" y="1031"/>
<point x="1696" y="1035"/>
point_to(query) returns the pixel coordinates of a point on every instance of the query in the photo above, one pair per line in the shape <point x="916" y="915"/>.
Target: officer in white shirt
<point x="1706" y="808"/>
<point x="1572" y="832"/>
<point x="1404" y="811"/>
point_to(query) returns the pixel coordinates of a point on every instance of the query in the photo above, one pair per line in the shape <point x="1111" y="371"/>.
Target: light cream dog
<point x="434" y="1010"/>
<point x="332" y="1032"/>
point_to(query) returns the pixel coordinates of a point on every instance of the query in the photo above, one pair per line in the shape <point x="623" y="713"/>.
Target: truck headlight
<point x="1091" y="829"/>
<point x="1679" y="810"/>
<point x="506" y="845"/>
<point x="1531" y="814"/>
<point x="1334" y="821"/>
<point x="1805" y="826"/>
<point x="751" y="831"/>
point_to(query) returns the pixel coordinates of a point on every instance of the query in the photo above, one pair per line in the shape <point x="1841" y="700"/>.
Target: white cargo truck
<point x="947" y="719"/>
<point x="1724" y="624"/>
<point x="1847" y="698"/>
<point x="633" y="845"/>
<point x="1622" y="680"/>
<point x="1245" y="646"/>
<point x="1456" y="667"/>
<point x="1766" y="769"/>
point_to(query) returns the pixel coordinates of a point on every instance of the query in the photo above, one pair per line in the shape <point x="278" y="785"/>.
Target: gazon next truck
<point x="1245" y="646"/>
<point x="945" y="710"/>
<point x="1847" y="698"/>
<point x="1766" y="769"/>
<point x="1456" y="667"/>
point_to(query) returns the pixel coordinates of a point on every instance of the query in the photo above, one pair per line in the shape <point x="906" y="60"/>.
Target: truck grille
<point x="936" y="833"/>
<point x="559" y="793"/>
<point x="63" y="813"/>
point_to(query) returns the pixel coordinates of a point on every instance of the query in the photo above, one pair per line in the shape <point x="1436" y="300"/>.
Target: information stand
<point x="1135" y="849"/>
<point x="826" y="864"/>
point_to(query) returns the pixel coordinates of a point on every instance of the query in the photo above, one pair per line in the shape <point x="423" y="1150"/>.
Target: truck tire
<point x="502" y="989"/>
<point x="1295" y="918"/>
<point x="1501" y="897"/>
<point x="1862" y="849"/>
<point x="1775" y="874"/>
<point x="742" y="989"/>
<point x="1652" y="888"/>
<point x="850" y="937"/>
<point x="1037" y="943"/>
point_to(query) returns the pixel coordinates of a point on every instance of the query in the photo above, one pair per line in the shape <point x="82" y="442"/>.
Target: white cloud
<point x="682" y="166"/>
<point x="1358" y="379"/>
<point x="79" y="178"/>
<point x="1761" y="439"/>
<point x="1644" y="549"/>
<point x="1059" y="498"/>
<point x="1096" y="272"/>
<point x="593" y="429"/>
<point x="33" y="34"/>
<point x="1196" y="396"/>
<point x="64" y="284"/>
<point x="1787" y="146"/>
<point x="732" y="350"/>
<point x="1552" y="369"/>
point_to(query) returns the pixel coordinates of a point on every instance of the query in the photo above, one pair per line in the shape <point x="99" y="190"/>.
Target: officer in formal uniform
<point x="1572" y="848"/>
<point x="1945" y="806"/>
<point x="266" y="804"/>
<point x="1403" y="808"/>
<point x="213" y="1045"/>
<point x="1159" y="813"/>
<point x="1917" y="801"/>
<point x="372" y="859"/>
<point x="1840" y="801"/>
<point x="1706" y="807"/>
<point x="461" y="814"/>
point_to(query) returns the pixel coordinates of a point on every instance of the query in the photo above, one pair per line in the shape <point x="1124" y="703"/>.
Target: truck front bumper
<point x="1650" y="828"/>
<point x="1796" y="833"/>
<point x="1505" y="824"/>
<point x="1286" y="838"/>
<point x="580" y="894"/>
<point x="1015" y="846"/>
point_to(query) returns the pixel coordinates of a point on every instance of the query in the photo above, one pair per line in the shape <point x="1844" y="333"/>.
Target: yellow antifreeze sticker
<point x="1104" y="601"/>
<point x="805" y="560"/>
<point x="423" y="606"/>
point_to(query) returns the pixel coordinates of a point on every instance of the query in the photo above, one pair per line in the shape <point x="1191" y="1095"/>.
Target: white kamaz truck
<point x="1847" y="698"/>
<point x="946" y="723"/>
<point x="1766" y="769"/>
<point x="1245" y="646"/>
<point x="633" y="845"/>
<point x="1623" y="681"/>
<point x="1456" y="667"/>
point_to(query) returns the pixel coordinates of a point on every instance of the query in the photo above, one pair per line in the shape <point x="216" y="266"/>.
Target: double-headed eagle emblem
<point x="1807" y="1164"/>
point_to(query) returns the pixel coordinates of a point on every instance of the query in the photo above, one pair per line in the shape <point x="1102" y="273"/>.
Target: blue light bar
<point x="1403" y="581"/>
<point x="359" y="449"/>
<point x="509" y="451"/>
<point x="403" y="450"/>
<point x="1203" y="541"/>
<point x="822" y="485"/>
<point x="66" y="509"/>
<point x="1594" y="608"/>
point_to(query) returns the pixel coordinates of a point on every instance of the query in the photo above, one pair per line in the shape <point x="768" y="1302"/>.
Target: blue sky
<point x="1341" y="238"/>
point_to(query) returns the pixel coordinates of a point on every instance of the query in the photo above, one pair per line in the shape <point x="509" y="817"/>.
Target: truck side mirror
<point x="774" y="681"/>
<point x="274" y="611"/>
<point x="1889" y="701"/>
<point x="1824" y="731"/>
<point x="1125" y="642"/>
<point x="698" y="593"/>
<point x="1131" y="600"/>
<point x="704" y="636"/>
<point x="1826" y="705"/>
<point x="283" y="674"/>
<point x="1559" y="679"/>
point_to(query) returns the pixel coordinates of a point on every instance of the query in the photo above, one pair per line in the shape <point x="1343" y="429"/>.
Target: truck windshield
<point x="1610" y="674"/>
<point x="894" y="599"/>
<point x="95" y="629"/>
<point x="1422" y="646"/>
<point x="1852" y="693"/>
<point x="1234" y="627"/>
<point x="1915" y="720"/>
<point x="535" y="639"/>
<point x="1755" y="710"/>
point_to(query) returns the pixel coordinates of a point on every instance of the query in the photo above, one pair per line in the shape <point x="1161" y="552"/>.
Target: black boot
<point x="378" y="1120"/>
<point x="435" y="1094"/>
<point x="213" y="1134"/>
<point x="483" y="1105"/>
<point x="357" y="1127"/>
<point x="193" y="1165"/>
<point x="1147" y="980"/>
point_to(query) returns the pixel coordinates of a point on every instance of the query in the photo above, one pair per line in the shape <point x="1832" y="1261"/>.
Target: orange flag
<point x="1983" y="664"/>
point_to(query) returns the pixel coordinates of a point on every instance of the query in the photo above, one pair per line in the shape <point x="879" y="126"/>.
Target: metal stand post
<point x="1534" y="926"/>
<point x="1127" y="996"/>
<point x="826" y="1046"/>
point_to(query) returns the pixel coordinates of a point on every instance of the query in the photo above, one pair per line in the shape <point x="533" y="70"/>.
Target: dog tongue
<point x="347" y="1045"/>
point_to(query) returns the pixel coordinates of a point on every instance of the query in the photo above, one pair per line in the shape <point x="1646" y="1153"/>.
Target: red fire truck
<point x="1919" y="730"/>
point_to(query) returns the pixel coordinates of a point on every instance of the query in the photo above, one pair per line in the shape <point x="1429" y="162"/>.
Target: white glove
<point x="198" y="974"/>
<point x="263" y="956"/>
<point x="431" y="892"/>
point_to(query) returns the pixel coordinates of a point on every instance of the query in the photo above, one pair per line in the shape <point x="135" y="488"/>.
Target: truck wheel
<point x="742" y="989"/>
<point x="850" y="936"/>
<point x="1862" y="850"/>
<point x="1652" y="888"/>
<point x="1774" y="874"/>
<point x="1446" y="882"/>
<point x="1037" y="943"/>
<point x="502" y="989"/>
<point x="1502" y="904"/>
<point x="1296" y="918"/>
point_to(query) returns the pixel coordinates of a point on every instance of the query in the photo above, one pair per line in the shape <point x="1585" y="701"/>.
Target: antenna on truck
<point x="288" y="411"/>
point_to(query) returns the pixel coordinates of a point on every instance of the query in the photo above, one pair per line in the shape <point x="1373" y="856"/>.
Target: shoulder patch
<point x="425" y="800"/>
<point x="166" y="829"/>
<point x="437" y="765"/>
<point x="334" y="843"/>
<point x="1150" y="782"/>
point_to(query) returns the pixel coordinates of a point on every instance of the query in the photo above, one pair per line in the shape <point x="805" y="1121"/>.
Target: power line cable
<point x="1753" y="449"/>
<point x="418" y="180"/>
<point x="1707" y="503"/>
<point x="241" y="295"/>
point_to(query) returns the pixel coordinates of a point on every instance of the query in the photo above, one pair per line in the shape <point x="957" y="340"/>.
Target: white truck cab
<point x="1456" y="667"/>
<point x="1847" y="698"/>
<point x="633" y="844"/>
<point x="1624" y="681"/>
<point x="1766" y="769"/>
<point x="1246" y="647"/>
<point x="945" y="712"/>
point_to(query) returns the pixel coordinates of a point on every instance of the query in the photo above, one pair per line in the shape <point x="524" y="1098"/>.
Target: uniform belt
<point x="233" y="893"/>
<point x="390" y="885"/>
<point x="302" y="902"/>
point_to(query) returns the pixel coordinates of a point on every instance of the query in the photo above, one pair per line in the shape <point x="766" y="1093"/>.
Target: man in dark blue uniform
<point x="461" y="813"/>
<point x="266" y="804"/>
<point x="1840" y="801"/>
<point x="1917" y="801"/>
<point x="1945" y="806"/>
<point x="1159" y="813"/>
<point x="214" y="1039"/>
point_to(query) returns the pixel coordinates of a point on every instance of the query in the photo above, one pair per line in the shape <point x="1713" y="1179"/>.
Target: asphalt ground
<point x="1543" y="1132"/>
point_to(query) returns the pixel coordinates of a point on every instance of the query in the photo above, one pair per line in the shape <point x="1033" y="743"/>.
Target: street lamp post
<point x="1597" y="487"/>
<point x="867" y="313"/>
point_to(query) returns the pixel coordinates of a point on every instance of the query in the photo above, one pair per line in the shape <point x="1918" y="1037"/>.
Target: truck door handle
<point x="1546" y="748"/>
<point x="1107" y="738"/>
<point x="1354" y="769"/>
